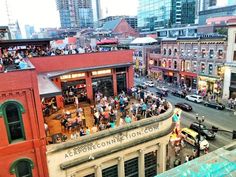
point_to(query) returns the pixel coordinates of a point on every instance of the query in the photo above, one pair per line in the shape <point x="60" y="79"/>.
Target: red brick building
<point x="23" y="139"/>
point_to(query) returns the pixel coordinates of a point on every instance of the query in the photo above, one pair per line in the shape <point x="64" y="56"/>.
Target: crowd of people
<point x="232" y="103"/>
<point x="15" y="56"/>
<point x="111" y="112"/>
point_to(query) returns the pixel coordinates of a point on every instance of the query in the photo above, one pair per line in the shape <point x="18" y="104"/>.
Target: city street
<point x="224" y="120"/>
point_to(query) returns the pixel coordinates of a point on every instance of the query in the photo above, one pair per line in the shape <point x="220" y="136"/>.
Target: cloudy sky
<point x="43" y="13"/>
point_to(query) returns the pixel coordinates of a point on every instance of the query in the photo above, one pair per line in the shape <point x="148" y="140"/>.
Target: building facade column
<point x="114" y="81"/>
<point x="227" y="79"/>
<point x="89" y="86"/>
<point x="121" y="167"/>
<point x="98" y="171"/>
<point x="161" y="158"/>
<point x="130" y="77"/>
<point x="141" y="165"/>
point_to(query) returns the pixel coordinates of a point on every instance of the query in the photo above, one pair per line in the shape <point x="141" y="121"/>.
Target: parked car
<point x="162" y="88"/>
<point x="208" y="134"/>
<point x="141" y="86"/>
<point x="184" y="106"/>
<point x="161" y="93"/>
<point x="179" y="93"/>
<point x="194" y="98"/>
<point x="191" y="137"/>
<point x="150" y="83"/>
<point x="214" y="105"/>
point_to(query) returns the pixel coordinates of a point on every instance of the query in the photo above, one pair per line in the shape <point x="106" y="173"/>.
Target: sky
<point x="43" y="13"/>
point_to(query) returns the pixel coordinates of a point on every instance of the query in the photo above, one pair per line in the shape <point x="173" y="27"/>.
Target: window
<point x="210" y="68"/>
<point x="202" y="67"/>
<point x="155" y="63"/>
<point x="234" y="59"/>
<point x="219" y="70"/>
<point x="12" y="112"/>
<point x="164" y="51"/>
<point x="195" y="53"/>
<point x="175" y="52"/>
<point x="203" y="53"/>
<point x="211" y="53"/>
<point x="182" y="65"/>
<point x="220" y="54"/>
<point x="195" y="66"/>
<point x="189" y="52"/>
<point x="164" y="64"/>
<point x="131" y="167"/>
<point x="22" y="167"/>
<point x="150" y="164"/>
<point x="169" y="53"/>
<point x="110" y="172"/>
<point x="159" y="62"/>
<point x="182" y="52"/>
<point x="169" y="63"/>
<point x="187" y="65"/>
<point x="175" y="64"/>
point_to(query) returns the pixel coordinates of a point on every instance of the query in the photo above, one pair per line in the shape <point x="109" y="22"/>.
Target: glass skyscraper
<point x="154" y="14"/>
<point x="75" y="13"/>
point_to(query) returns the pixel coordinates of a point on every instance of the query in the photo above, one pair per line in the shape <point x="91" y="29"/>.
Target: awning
<point x="183" y="73"/>
<point x="46" y="87"/>
<point x="60" y="73"/>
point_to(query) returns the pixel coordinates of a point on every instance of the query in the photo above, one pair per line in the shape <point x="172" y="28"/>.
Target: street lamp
<point x="199" y="133"/>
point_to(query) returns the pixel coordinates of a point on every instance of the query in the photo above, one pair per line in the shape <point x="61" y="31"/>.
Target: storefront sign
<point x="112" y="141"/>
<point x="72" y="76"/>
<point x="107" y="71"/>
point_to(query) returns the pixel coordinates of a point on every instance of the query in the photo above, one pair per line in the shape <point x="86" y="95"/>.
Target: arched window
<point x="12" y="111"/>
<point x="164" y="51"/>
<point x="22" y="167"/>
<point x="169" y="53"/>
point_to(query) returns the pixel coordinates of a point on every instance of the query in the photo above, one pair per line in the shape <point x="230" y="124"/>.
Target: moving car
<point x="208" y="134"/>
<point x="194" y="98"/>
<point x="214" y="105"/>
<point x="184" y="106"/>
<point x="165" y="89"/>
<point x="191" y="137"/>
<point x="179" y="93"/>
<point x="141" y="86"/>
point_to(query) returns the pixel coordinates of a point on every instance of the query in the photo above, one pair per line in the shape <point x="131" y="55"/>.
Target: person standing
<point x="76" y="102"/>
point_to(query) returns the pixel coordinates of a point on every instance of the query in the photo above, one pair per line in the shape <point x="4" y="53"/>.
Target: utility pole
<point x="200" y="121"/>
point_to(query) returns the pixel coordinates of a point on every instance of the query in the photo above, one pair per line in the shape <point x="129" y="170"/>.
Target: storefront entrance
<point x="103" y="85"/>
<point x="70" y="89"/>
<point x="121" y="83"/>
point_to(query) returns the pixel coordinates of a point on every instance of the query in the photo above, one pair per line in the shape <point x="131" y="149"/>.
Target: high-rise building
<point x="29" y="30"/>
<point x="215" y="8"/>
<point x="96" y="10"/>
<point x="154" y="14"/>
<point x="75" y="13"/>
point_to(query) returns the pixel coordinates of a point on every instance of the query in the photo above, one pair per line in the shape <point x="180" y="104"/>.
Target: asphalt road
<point x="223" y="119"/>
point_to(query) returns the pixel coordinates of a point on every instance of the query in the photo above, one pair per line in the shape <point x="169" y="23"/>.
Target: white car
<point x="194" y="98"/>
<point x="150" y="83"/>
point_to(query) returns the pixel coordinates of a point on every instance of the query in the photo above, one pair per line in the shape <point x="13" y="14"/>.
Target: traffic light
<point x="234" y="134"/>
<point x="215" y="129"/>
